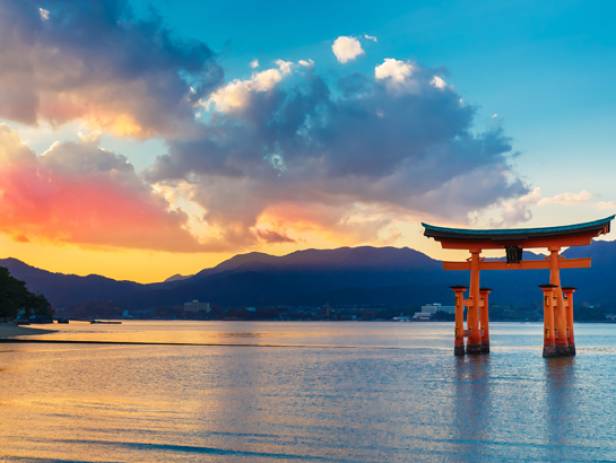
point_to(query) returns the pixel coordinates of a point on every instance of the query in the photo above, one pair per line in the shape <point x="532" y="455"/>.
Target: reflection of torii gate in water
<point x="558" y="337"/>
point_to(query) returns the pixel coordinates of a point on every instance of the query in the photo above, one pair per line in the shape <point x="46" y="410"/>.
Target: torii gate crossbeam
<point x="557" y="300"/>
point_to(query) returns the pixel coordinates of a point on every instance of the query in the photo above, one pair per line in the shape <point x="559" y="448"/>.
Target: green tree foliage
<point x="14" y="295"/>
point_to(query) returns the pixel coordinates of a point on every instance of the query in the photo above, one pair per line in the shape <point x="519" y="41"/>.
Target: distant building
<point x="428" y="310"/>
<point x="437" y="307"/>
<point x="196" y="307"/>
<point x="422" y="316"/>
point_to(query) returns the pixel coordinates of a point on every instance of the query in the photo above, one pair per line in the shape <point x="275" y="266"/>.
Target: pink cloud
<point x="78" y="193"/>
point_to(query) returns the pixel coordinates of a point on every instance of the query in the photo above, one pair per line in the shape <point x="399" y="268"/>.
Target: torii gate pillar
<point x="568" y="291"/>
<point x="485" y="320"/>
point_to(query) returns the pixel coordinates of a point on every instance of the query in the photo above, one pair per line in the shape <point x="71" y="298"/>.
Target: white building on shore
<point x="428" y="311"/>
<point x="196" y="307"/>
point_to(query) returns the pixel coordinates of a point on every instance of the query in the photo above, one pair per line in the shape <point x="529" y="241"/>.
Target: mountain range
<point x="360" y="276"/>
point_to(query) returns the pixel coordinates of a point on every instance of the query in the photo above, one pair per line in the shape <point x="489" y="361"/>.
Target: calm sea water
<point x="313" y="392"/>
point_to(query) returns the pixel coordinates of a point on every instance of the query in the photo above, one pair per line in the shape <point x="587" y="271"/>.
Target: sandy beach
<point x="10" y="330"/>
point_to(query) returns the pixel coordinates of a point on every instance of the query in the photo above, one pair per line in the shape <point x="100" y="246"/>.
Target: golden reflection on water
<point x="246" y="333"/>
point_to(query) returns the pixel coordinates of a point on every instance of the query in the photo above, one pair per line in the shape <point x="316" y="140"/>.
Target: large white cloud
<point x="396" y="74"/>
<point x="314" y="144"/>
<point x="347" y="48"/>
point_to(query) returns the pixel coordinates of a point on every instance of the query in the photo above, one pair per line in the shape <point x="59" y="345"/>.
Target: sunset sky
<point x="147" y="138"/>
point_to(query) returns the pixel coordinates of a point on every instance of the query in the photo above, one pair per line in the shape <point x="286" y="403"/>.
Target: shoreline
<point x="11" y="330"/>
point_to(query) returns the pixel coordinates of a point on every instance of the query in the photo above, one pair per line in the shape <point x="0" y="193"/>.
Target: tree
<point x="14" y="295"/>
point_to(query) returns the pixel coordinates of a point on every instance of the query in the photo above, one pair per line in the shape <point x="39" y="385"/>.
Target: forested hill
<point x="15" y="296"/>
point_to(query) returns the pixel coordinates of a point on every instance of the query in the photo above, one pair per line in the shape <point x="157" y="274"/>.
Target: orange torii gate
<point x="558" y="339"/>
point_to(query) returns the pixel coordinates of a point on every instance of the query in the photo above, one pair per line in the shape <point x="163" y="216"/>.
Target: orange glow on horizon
<point x="148" y="266"/>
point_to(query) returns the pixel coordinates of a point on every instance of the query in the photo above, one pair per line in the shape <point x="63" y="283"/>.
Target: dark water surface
<point x="319" y="392"/>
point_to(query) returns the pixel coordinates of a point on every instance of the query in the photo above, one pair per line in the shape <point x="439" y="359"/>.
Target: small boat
<point x="106" y="322"/>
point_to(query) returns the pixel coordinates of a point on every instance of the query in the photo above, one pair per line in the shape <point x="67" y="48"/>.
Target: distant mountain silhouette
<point x="62" y="289"/>
<point x="177" y="277"/>
<point x="397" y="277"/>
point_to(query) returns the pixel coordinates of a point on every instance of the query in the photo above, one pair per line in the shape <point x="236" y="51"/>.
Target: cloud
<point x="508" y="212"/>
<point x="281" y="156"/>
<point x="44" y="14"/>
<point x="438" y="82"/>
<point x="347" y="48"/>
<point x="517" y="210"/>
<point x="332" y="146"/>
<point x="396" y="74"/>
<point x="79" y="193"/>
<point x="606" y="205"/>
<point x="272" y="236"/>
<point x="96" y="62"/>
<point x="254" y="64"/>
<point x="307" y="63"/>
<point x="372" y="38"/>
<point x="566" y="199"/>
<point x="235" y="95"/>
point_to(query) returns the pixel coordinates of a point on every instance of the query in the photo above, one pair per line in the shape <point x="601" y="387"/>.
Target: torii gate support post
<point x="485" y="320"/>
<point x="458" y="348"/>
<point x="569" y="304"/>
<point x="561" y="342"/>
<point x="549" y="348"/>
<point x="473" y="346"/>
